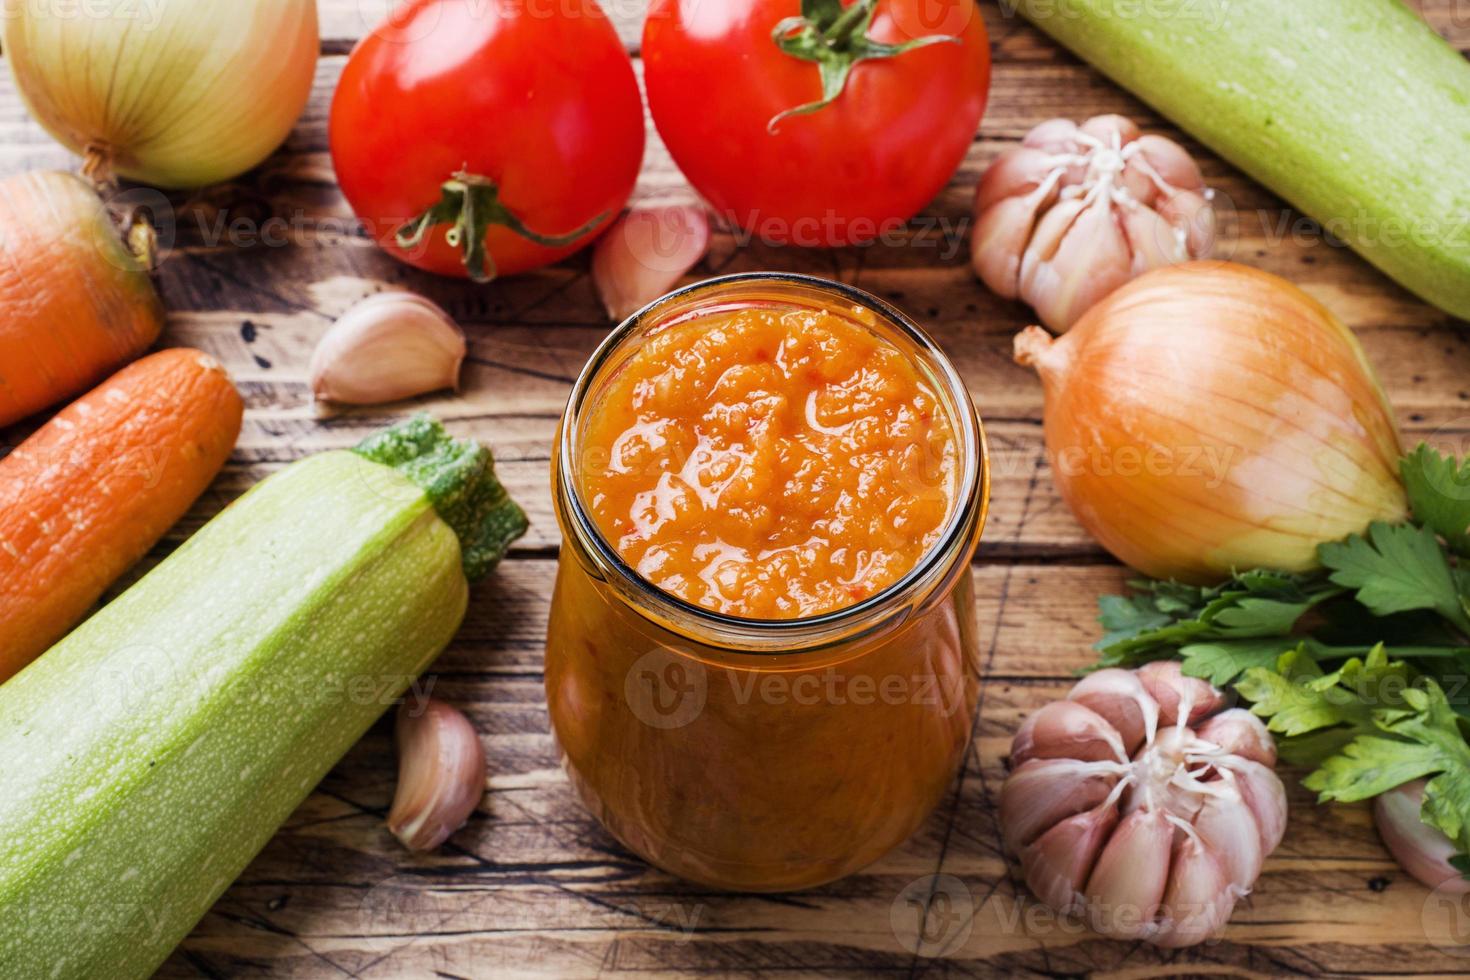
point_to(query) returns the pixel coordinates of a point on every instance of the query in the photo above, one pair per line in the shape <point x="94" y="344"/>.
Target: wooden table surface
<point x="533" y="885"/>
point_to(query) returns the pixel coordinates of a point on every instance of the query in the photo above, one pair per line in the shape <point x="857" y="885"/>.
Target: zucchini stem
<point x="458" y="476"/>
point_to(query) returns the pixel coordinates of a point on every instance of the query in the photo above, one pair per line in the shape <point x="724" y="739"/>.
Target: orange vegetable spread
<point x="769" y="462"/>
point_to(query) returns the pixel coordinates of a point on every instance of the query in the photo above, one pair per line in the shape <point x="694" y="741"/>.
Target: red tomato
<point x="537" y="102"/>
<point x="844" y="174"/>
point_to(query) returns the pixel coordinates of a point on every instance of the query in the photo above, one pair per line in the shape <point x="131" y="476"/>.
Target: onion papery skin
<point x="1209" y="417"/>
<point x="174" y="93"/>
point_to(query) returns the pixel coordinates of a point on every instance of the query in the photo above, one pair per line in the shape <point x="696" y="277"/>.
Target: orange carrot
<point x="92" y="490"/>
<point x="75" y="304"/>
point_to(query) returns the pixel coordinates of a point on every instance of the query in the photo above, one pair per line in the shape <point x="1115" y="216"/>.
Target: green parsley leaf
<point x="1318" y="713"/>
<point x="1298" y="697"/>
<point x="1370" y="765"/>
<point x="1395" y="569"/>
<point x="1124" y="617"/>
<point x="1160" y="619"/>
<point x="1423" y="738"/>
<point x="1221" y="661"/>
<point x="1439" y="495"/>
<point x="1451" y="672"/>
<point x="1314" y="748"/>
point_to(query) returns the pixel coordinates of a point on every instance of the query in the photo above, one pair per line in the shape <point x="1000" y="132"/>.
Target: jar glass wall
<point x="763" y="755"/>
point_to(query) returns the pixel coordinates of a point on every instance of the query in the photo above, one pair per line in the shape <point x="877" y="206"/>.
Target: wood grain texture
<point x="256" y="270"/>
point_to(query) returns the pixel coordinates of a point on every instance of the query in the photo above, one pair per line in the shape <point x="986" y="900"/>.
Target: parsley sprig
<point x="1361" y="668"/>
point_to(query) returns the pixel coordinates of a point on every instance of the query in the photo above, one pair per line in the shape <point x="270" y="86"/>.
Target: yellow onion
<point x="1209" y="417"/>
<point x="175" y="93"/>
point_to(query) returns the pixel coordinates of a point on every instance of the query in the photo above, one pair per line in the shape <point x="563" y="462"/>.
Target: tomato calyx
<point x="471" y="206"/>
<point x="836" y="38"/>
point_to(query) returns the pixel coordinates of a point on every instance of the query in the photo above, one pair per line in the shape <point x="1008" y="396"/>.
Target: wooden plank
<point x="533" y="878"/>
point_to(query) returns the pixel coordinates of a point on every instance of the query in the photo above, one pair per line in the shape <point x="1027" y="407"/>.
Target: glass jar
<point x="763" y="755"/>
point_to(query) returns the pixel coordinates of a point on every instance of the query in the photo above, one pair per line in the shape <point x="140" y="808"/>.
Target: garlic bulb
<point x="1210" y="417"/>
<point x="441" y="774"/>
<point x="175" y="93"/>
<point x="388" y="347"/>
<point x="1074" y="212"/>
<point x="1156" y="841"/>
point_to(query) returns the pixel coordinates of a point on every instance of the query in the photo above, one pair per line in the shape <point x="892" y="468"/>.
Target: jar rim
<point x="964" y="524"/>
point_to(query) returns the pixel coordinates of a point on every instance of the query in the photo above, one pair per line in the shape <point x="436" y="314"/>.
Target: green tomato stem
<point x="836" y="39"/>
<point x="471" y="206"/>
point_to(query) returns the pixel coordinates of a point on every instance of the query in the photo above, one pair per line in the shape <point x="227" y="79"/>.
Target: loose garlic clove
<point x="441" y="774"/>
<point x="1127" y="886"/>
<point x="1199" y="899"/>
<point x="1056" y="865"/>
<point x="1166" y="684"/>
<point x="1067" y="730"/>
<point x="1043" y="792"/>
<point x="645" y="254"/>
<point x="1421" y="850"/>
<point x="387" y="348"/>
<point x="1120" y="697"/>
<point x="1238" y="732"/>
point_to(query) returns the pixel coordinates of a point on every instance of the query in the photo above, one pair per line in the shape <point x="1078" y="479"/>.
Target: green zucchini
<point x="147" y="757"/>
<point x="1354" y="111"/>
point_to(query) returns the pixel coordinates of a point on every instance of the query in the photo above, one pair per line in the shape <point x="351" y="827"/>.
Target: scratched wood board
<point x="254" y="271"/>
